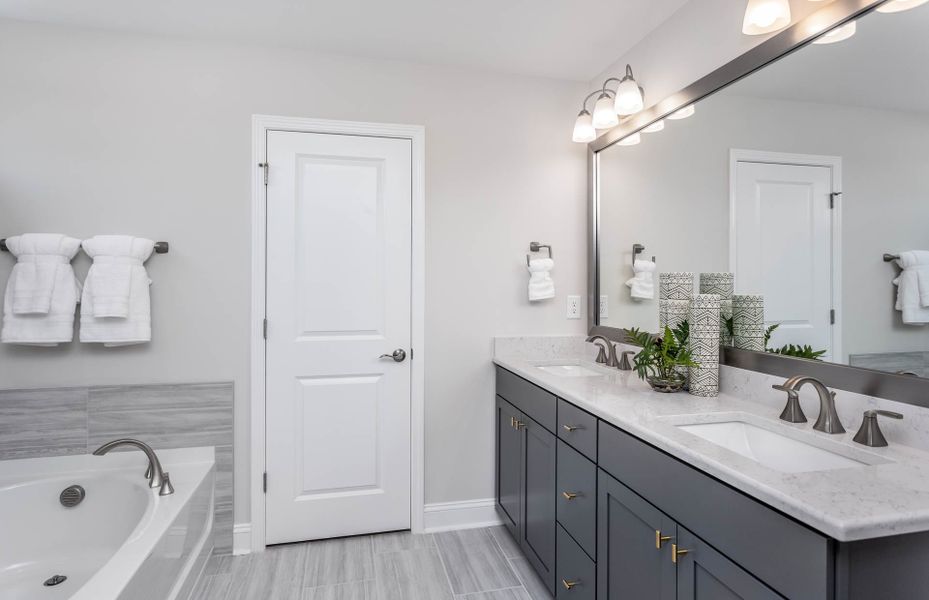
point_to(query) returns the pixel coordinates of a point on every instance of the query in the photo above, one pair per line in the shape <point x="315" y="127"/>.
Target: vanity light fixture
<point x="899" y="5"/>
<point x="604" y="114"/>
<point x="627" y="99"/>
<point x="630" y="140"/>
<point x="630" y="98"/>
<point x="765" y="16"/>
<point x="838" y="34"/>
<point x="682" y="113"/>
<point x="656" y="126"/>
<point x="584" y="131"/>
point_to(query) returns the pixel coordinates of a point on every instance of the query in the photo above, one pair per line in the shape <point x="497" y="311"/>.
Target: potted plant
<point x="662" y="359"/>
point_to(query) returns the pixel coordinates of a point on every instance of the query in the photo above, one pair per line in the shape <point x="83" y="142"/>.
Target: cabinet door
<point x="633" y="545"/>
<point x="538" y="523"/>
<point x="509" y="461"/>
<point x="705" y="574"/>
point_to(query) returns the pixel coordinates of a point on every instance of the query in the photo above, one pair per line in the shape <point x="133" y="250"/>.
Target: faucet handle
<point x="792" y="412"/>
<point x="869" y="434"/>
<point x="601" y="355"/>
<point x="624" y="364"/>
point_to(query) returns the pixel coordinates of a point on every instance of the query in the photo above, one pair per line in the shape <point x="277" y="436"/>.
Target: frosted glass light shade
<point x="837" y="35"/>
<point x="628" y="98"/>
<point x="604" y="114"/>
<point x="656" y="126"/>
<point x="584" y="131"/>
<point x="631" y="140"/>
<point x="899" y="5"/>
<point x="765" y="16"/>
<point x="682" y="113"/>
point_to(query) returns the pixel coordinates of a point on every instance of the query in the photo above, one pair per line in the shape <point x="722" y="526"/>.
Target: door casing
<point x="261" y="124"/>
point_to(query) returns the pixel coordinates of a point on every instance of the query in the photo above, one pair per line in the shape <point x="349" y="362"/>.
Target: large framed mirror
<point x="801" y="168"/>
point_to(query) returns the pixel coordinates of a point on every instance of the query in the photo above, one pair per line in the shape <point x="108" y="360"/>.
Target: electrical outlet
<point x="574" y="307"/>
<point x="604" y="307"/>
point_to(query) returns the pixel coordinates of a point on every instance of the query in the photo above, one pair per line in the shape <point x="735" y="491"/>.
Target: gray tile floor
<point x="472" y="564"/>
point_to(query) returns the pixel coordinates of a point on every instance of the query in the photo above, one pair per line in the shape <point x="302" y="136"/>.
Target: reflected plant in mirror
<point x="663" y="358"/>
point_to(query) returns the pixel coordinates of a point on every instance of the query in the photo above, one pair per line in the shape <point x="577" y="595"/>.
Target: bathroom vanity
<point x="615" y="491"/>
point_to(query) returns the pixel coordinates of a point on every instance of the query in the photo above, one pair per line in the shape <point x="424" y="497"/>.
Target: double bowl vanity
<point x="615" y="491"/>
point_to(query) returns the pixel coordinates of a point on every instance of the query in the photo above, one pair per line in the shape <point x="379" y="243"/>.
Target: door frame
<point x="261" y="124"/>
<point x="834" y="164"/>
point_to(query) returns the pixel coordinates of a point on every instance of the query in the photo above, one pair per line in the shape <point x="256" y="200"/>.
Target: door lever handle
<point x="398" y="355"/>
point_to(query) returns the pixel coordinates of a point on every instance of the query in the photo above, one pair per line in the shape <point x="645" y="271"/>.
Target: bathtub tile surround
<point x="476" y="564"/>
<point x="67" y="421"/>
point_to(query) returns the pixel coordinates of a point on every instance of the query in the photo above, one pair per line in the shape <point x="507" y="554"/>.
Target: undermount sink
<point x="569" y="371"/>
<point x="770" y="448"/>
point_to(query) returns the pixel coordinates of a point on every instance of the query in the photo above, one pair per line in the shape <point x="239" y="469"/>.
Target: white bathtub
<point x="122" y="542"/>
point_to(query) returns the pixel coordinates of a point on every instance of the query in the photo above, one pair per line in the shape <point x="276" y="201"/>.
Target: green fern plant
<point x="805" y="351"/>
<point x="660" y="357"/>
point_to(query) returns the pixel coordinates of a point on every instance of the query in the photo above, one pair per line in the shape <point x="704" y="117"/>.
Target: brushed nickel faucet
<point x="608" y="358"/>
<point x="828" y="420"/>
<point x="869" y="433"/>
<point x="157" y="477"/>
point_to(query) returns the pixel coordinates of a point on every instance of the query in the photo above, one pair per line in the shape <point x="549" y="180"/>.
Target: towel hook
<point x="636" y="250"/>
<point x="535" y="247"/>
<point x="160" y="247"/>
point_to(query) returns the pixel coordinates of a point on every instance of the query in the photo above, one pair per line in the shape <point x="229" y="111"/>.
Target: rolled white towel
<point x="541" y="286"/>
<point x="917" y="261"/>
<point x="642" y="285"/>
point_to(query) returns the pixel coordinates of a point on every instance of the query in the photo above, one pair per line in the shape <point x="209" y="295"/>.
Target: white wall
<point x="111" y="133"/>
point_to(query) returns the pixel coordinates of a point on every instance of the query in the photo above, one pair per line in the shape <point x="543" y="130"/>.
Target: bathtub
<point x="122" y="542"/>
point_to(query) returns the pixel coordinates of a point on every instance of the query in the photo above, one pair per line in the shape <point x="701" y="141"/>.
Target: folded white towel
<point x="541" y="286"/>
<point x="116" y="304"/>
<point x="41" y="294"/>
<point x="913" y="287"/>
<point x="642" y="285"/>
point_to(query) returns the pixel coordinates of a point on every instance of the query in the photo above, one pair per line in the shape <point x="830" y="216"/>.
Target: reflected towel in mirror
<point x="642" y="285"/>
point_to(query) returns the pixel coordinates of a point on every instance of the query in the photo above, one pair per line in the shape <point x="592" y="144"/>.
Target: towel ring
<point x="535" y="247"/>
<point x="160" y="247"/>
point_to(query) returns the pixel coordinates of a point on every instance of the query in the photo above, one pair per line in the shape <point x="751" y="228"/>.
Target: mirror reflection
<point x="798" y="180"/>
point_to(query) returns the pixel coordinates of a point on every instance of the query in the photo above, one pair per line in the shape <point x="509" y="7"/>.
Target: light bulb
<point x="899" y="5"/>
<point x="656" y="126"/>
<point x="584" y="128"/>
<point x="765" y="16"/>
<point x="682" y="113"/>
<point x="631" y="140"/>
<point x="628" y="98"/>
<point x="838" y="34"/>
<point x="604" y="113"/>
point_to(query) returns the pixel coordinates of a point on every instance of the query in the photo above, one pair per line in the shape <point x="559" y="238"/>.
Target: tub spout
<point x="157" y="477"/>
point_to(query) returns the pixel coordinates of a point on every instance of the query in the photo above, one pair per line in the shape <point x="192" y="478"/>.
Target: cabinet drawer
<point x="791" y="558"/>
<point x="538" y="404"/>
<point x="578" y="428"/>
<point x="577" y="497"/>
<point x="576" y="574"/>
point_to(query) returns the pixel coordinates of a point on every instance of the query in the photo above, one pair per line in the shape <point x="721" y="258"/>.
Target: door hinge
<point x="264" y="328"/>
<point x="264" y="482"/>
<point x="411" y="353"/>
<point x="832" y="198"/>
<point x="832" y="317"/>
<point x="264" y="166"/>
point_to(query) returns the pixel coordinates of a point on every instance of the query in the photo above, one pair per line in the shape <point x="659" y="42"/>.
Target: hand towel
<point x="541" y="286"/>
<point x="913" y="287"/>
<point x="116" y="304"/>
<point x="42" y="291"/>
<point x="642" y="285"/>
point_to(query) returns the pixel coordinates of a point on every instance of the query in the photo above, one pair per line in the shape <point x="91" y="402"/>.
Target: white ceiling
<point x="565" y="39"/>
<point x="882" y="66"/>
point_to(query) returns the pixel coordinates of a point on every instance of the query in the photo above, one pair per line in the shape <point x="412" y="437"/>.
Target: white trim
<point x="261" y="124"/>
<point x="241" y="538"/>
<point x="445" y="516"/>
<point x="834" y="163"/>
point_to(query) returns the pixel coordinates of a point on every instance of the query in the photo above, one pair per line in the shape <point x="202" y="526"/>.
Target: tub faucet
<point x="157" y="477"/>
<point x="828" y="420"/>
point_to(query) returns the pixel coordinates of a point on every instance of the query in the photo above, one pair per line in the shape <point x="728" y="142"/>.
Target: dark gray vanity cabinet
<point x="509" y="458"/>
<point x="705" y="574"/>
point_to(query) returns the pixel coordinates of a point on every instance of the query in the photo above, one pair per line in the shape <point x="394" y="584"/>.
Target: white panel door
<point x="783" y="248"/>
<point x="338" y="297"/>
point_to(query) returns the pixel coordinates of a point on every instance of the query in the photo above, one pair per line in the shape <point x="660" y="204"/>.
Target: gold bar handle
<point x="519" y="424"/>
<point x="677" y="552"/>
<point x="569" y="495"/>
<point x="513" y="422"/>
<point x="569" y="584"/>
<point x="660" y="539"/>
<point x="569" y="428"/>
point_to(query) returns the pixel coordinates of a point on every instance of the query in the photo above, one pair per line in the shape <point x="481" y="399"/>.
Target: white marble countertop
<point x="887" y="496"/>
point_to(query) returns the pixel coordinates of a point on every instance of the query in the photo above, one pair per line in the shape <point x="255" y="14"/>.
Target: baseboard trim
<point x="446" y="516"/>
<point x="241" y="538"/>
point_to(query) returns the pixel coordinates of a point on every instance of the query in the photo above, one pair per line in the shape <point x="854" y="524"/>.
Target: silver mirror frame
<point x="901" y="388"/>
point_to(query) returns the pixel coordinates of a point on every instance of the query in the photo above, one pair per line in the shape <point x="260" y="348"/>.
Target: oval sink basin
<point x="569" y="371"/>
<point x="769" y="448"/>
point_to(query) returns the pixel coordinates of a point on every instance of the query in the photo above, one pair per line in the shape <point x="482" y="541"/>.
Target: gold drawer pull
<point x="677" y="552"/>
<point x="660" y="539"/>
<point x="569" y="584"/>
<point x="569" y="495"/>
<point x="513" y="422"/>
<point x="519" y="424"/>
<point x="570" y="428"/>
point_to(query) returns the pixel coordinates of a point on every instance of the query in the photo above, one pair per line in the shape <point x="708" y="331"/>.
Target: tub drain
<point x="55" y="580"/>
<point x="72" y="496"/>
